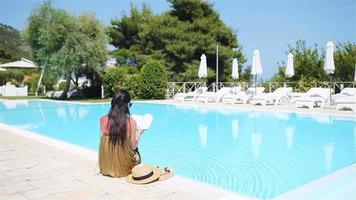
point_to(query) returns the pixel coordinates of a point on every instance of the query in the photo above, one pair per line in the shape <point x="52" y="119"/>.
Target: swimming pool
<point x="262" y="154"/>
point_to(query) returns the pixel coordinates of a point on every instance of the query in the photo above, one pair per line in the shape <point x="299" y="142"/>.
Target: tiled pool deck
<point x="31" y="168"/>
<point x="36" y="167"/>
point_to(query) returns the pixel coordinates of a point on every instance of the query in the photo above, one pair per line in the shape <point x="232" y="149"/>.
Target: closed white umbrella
<point x="290" y="66"/>
<point x="256" y="65"/>
<point x="329" y="66"/>
<point x="203" y="71"/>
<point x="235" y="69"/>
<point x="2" y="69"/>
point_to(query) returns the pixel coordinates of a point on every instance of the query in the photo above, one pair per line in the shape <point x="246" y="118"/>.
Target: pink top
<point x="131" y="130"/>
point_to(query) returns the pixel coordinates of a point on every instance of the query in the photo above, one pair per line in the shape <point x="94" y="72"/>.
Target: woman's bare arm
<point x="134" y="141"/>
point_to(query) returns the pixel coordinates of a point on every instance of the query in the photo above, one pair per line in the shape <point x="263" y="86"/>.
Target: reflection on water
<point x="328" y="151"/>
<point x="41" y="111"/>
<point x="235" y="128"/>
<point x="203" y="134"/>
<point x="281" y="115"/>
<point x="256" y="139"/>
<point x="225" y="112"/>
<point x="82" y="112"/>
<point x="355" y="137"/>
<point x="72" y="112"/>
<point x="12" y="104"/>
<point x="322" y="119"/>
<point x="61" y="112"/>
<point x="289" y="131"/>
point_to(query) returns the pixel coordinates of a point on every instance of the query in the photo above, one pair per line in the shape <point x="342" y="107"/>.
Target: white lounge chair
<point x="313" y="97"/>
<point x="57" y="94"/>
<point x="50" y="94"/>
<point x="346" y="92"/>
<point x="274" y="97"/>
<point x="214" y="96"/>
<point x="346" y="103"/>
<point x="190" y="95"/>
<point x="242" y="96"/>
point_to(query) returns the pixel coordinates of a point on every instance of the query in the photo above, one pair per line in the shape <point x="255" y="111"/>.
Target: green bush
<point x="62" y="85"/>
<point x="32" y="83"/>
<point x="152" y="83"/>
<point x="120" y="78"/>
<point x="13" y="75"/>
<point x="49" y="80"/>
<point x="3" y="77"/>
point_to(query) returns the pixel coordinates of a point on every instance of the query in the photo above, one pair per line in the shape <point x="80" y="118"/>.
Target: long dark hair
<point x="118" y="117"/>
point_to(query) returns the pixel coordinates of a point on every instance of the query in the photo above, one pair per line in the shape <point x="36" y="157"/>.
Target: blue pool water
<point x="262" y="154"/>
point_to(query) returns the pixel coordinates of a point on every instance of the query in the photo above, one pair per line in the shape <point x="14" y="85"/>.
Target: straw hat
<point x="143" y="173"/>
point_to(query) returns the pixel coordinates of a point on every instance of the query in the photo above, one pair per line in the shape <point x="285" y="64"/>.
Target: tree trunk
<point x="64" y="94"/>
<point x="76" y="80"/>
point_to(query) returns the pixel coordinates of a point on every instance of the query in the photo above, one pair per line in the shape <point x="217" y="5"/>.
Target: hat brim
<point x="155" y="176"/>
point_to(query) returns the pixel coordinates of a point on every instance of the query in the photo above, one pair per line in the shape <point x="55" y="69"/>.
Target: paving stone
<point x="13" y="189"/>
<point x="13" y="197"/>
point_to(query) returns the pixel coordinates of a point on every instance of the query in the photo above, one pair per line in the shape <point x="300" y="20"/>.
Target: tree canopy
<point x="176" y="38"/>
<point x="12" y="47"/>
<point x="66" y="44"/>
<point x="309" y="63"/>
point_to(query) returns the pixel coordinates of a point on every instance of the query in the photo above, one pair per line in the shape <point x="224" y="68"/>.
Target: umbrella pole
<point x="217" y="67"/>
<point x="330" y="89"/>
<point x="255" y="84"/>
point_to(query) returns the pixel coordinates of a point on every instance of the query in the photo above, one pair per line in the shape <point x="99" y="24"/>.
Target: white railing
<point x="177" y="87"/>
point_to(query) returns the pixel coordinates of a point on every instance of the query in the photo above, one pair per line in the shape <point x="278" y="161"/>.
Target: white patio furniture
<point x="313" y="97"/>
<point x="214" y="96"/>
<point x="346" y="92"/>
<point x="346" y="103"/>
<point x="276" y="97"/>
<point x="190" y="95"/>
<point x="57" y="94"/>
<point x="242" y="96"/>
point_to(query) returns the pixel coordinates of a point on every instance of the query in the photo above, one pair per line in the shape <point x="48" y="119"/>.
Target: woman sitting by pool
<point x="118" y="152"/>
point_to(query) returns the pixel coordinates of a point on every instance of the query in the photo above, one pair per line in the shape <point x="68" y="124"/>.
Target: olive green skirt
<point x="118" y="160"/>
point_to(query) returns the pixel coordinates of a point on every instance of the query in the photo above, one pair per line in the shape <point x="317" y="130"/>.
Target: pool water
<point x="262" y="154"/>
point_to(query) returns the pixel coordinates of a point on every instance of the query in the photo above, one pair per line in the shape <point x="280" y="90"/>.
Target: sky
<point x="267" y="25"/>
